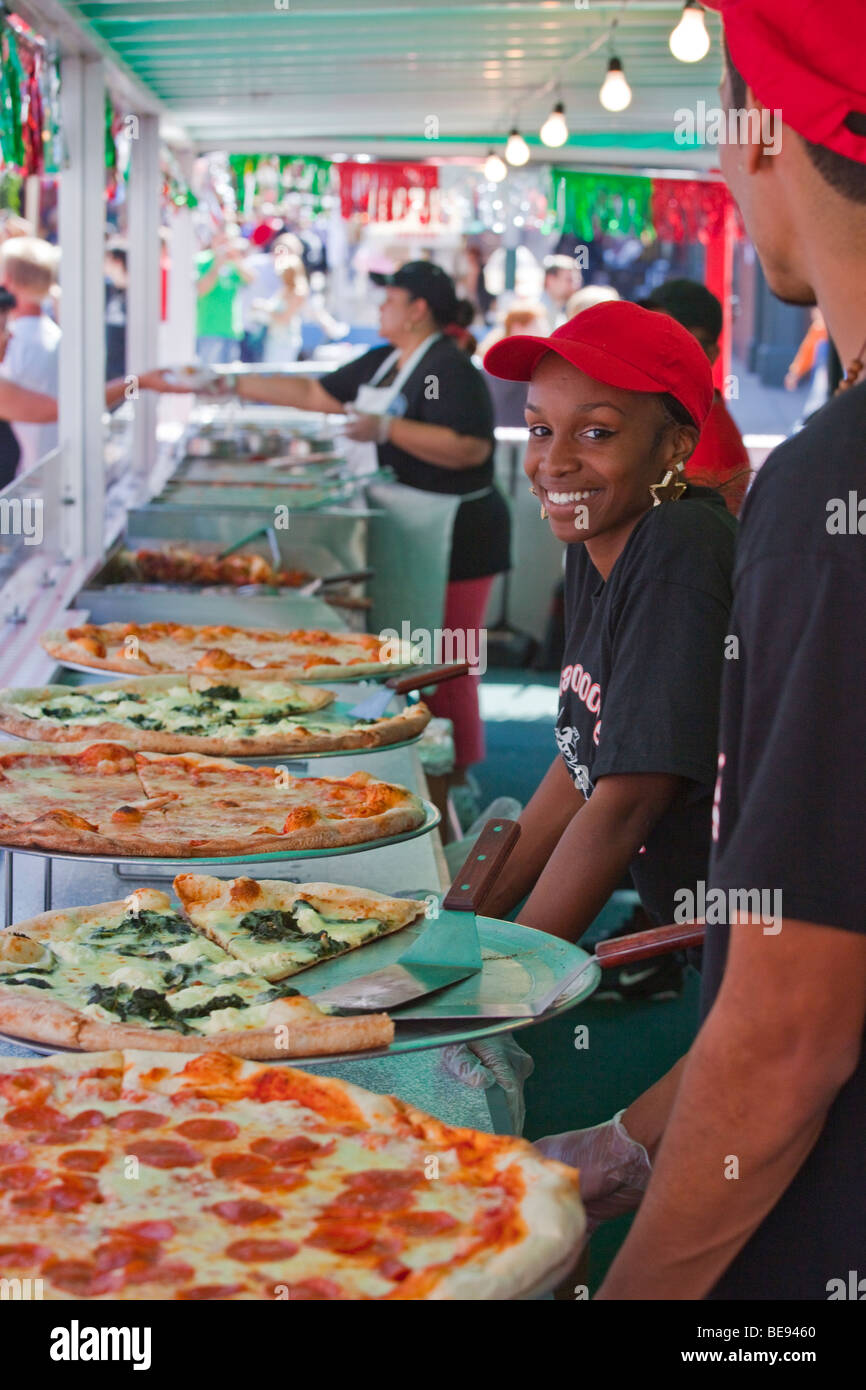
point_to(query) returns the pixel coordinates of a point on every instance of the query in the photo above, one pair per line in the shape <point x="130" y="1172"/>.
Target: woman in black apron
<point x="424" y="412"/>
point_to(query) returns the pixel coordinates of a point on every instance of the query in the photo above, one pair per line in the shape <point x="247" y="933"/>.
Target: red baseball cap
<point x="805" y="59"/>
<point x="620" y="344"/>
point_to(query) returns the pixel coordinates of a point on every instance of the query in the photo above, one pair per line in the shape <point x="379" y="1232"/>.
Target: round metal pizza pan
<point x="432" y="818"/>
<point x="294" y="755"/>
<point x="517" y="963"/>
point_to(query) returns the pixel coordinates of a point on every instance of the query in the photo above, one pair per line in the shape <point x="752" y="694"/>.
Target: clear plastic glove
<point x="491" y="1061"/>
<point x="614" y="1168"/>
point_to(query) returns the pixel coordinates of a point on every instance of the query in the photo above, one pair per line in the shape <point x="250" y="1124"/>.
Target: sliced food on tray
<point x="142" y="649"/>
<point x="108" y="798"/>
<point x="256" y="1181"/>
<point x="180" y="565"/>
<point x="141" y="973"/>
<point x="254" y="714"/>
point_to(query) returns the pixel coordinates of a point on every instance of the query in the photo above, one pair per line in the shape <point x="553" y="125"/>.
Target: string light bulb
<point x="689" y="41"/>
<point x="554" y="132"/>
<point x="516" y="149"/>
<point x="494" y="168"/>
<point x="615" y="94"/>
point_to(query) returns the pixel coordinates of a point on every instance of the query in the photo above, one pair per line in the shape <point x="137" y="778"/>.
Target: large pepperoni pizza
<point x="129" y="1175"/>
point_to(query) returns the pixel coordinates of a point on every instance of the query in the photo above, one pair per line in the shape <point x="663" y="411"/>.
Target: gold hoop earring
<point x="543" y="512"/>
<point x="671" y="487"/>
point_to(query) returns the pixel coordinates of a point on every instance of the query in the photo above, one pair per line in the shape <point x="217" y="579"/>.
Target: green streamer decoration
<point x="593" y="204"/>
<point x="11" y="137"/>
<point x="298" y="173"/>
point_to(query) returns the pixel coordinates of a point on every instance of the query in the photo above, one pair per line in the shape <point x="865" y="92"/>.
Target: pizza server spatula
<point x="375" y="705"/>
<point x="446" y="951"/>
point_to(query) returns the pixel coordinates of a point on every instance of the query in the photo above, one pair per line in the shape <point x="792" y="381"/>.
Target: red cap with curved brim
<point x="805" y="59"/>
<point x="622" y="345"/>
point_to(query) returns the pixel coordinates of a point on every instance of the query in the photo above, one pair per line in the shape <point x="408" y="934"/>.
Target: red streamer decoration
<point x="387" y="192"/>
<point x="690" y="210"/>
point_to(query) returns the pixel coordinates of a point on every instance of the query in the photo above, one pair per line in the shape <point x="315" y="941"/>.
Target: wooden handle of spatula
<point x="642" y="945"/>
<point x="433" y="675"/>
<point x="479" y="871"/>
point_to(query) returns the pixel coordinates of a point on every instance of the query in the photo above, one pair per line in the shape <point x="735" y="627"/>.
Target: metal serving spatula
<point x="374" y="706"/>
<point x="448" y="950"/>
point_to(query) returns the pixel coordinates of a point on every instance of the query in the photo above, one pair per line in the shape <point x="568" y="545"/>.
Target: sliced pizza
<point x="255" y="714"/>
<point x="108" y="798"/>
<point x="144" y="649"/>
<point x="278" y="929"/>
<point x="138" y="973"/>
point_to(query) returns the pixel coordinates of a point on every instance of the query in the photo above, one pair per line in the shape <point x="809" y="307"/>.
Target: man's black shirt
<point x="792" y="797"/>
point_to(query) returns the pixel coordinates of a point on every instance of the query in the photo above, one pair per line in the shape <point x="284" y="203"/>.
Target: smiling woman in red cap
<point x="616" y="400"/>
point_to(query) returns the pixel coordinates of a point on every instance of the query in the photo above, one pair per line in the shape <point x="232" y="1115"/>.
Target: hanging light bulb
<point x="615" y="94"/>
<point x="690" y="41"/>
<point x="516" y="150"/>
<point x="494" y="168"/>
<point x="554" y="132"/>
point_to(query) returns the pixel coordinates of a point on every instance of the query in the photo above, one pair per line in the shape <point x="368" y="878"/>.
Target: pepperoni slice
<point x="118" y="1253"/>
<point x="22" y="1178"/>
<point x="239" y="1166"/>
<point x="425" y="1223"/>
<point x="372" y="1179"/>
<point x="256" y="1251"/>
<point x="342" y="1238"/>
<point x="86" y="1119"/>
<point x="277" y="1180"/>
<point x="13" y="1153"/>
<point x="295" y="1150"/>
<point x="241" y="1212"/>
<point x="32" y="1203"/>
<point x="36" y="1117"/>
<point x="134" y="1120"/>
<point x="390" y="1268"/>
<point x="354" y="1204"/>
<point x="72" y="1192"/>
<point x="23" y="1255"/>
<point x="172" y="1272"/>
<point x="164" y="1153"/>
<point x="210" y="1291"/>
<point x="148" y="1230"/>
<point x="81" y="1278"/>
<point x="208" y="1129"/>
<point x="315" y="1290"/>
<point x="83" y="1160"/>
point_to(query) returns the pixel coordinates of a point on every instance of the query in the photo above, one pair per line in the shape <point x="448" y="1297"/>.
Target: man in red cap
<point x="756" y="1138"/>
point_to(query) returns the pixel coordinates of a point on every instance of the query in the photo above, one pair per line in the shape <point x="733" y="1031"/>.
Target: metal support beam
<point x="82" y="346"/>
<point x="143" y="295"/>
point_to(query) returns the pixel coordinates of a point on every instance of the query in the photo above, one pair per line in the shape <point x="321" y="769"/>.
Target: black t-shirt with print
<point x="444" y="388"/>
<point x="639" y="688"/>
<point x="791" y="815"/>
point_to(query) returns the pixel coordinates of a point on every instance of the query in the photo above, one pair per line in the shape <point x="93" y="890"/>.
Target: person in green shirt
<point x="221" y="274"/>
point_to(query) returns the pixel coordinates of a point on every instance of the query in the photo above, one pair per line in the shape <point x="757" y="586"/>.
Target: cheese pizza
<point x="138" y="973"/>
<point x="129" y="1175"/>
<point x="255" y="714"/>
<point x="142" y="649"/>
<point x="108" y="798"/>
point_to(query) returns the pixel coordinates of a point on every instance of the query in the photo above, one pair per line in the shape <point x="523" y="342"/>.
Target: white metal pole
<point x="143" y="295"/>
<point x="82" y="307"/>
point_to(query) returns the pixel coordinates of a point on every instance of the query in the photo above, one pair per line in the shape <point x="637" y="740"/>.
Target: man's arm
<point x="595" y="850"/>
<point x="779" y="1043"/>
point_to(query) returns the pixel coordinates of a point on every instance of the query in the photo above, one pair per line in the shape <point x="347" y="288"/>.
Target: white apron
<point x="372" y="399"/>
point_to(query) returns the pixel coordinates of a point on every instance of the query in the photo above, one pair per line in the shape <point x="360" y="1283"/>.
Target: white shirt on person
<point x="32" y="360"/>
